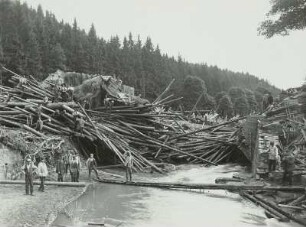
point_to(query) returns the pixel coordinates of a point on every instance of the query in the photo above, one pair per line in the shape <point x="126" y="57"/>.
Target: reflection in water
<point x="141" y="207"/>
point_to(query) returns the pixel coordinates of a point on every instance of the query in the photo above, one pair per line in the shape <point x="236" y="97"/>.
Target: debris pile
<point x="149" y="134"/>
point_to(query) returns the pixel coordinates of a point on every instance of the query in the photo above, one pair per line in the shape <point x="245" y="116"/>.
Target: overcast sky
<point x="216" y="32"/>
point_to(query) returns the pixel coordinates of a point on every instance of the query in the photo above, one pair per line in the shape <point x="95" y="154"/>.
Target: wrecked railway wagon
<point x="95" y="88"/>
<point x="152" y="135"/>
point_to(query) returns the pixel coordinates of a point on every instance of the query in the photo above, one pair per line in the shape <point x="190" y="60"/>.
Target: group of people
<point x="286" y="160"/>
<point x="67" y="163"/>
<point x="29" y="169"/>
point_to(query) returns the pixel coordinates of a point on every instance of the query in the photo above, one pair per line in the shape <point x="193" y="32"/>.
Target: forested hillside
<point x="34" y="42"/>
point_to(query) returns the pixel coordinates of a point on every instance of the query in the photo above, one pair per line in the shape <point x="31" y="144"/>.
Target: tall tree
<point x="241" y="106"/>
<point x="219" y="96"/>
<point x="13" y="49"/>
<point x="57" y="58"/>
<point x="93" y="50"/>
<point x="79" y="61"/>
<point x="284" y="16"/>
<point x="193" y="88"/>
<point x="236" y="93"/>
<point x="252" y="103"/>
<point x="225" y="107"/>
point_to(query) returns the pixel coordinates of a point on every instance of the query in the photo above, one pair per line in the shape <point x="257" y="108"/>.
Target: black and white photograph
<point x="153" y="113"/>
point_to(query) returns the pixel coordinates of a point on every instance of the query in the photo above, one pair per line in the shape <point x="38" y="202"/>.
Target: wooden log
<point x="23" y="126"/>
<point x="291" y="207"/>
<point x="265" y="206"/>
<point x="159" y="150"/>
<point x="164" y="92"/>
<point x="163" y="100"/>
<point x="287" y="214"/>
<point x="13" y="112"/>
<point x="68" y="184"/>
<point x="206" y="129"/>
<point x="207" y="186"/>
<point x="172" y="100"/>
<point x="298" y="200"/>
<point x="166" y="146"/>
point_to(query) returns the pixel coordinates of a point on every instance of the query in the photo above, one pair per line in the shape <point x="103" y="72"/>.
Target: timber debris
<point x="153" y="135"/>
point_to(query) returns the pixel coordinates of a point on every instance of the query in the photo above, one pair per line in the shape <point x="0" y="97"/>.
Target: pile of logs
<point x="283" y="209"/>
<point x="150" y="135"/>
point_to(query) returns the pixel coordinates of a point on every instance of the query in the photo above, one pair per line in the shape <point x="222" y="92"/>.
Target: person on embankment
<point x="74" y="169"/>
<point x="288" y="166"/>
<point x="29" y="169"/>
<point x="67" y="160"/>
<point x="92" y="166"/>
<point x="42" y="172"/>
<point x="128" y="163"/>
<point x="273" y="154"/>
<point x="60" y="169"/>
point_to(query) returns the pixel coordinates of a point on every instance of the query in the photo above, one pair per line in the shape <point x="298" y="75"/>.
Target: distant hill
<point x="36" y="43"/>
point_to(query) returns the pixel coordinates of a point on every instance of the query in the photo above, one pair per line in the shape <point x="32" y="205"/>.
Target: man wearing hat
<point x="29" y="169"/>
<point x="74" y="169"/>
<point x="92" y="166"/>
<point x="42" y="171"/>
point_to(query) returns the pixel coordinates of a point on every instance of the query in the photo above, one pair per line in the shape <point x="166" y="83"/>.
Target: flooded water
<point x="119" y="205"/>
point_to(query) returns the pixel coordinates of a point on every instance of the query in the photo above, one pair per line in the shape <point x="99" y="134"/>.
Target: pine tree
<point x="42" y="39"/>
<point x="11" y="44"/>
<point x="1" y="60"/>
<point x="79" y="61"/>
<point x="58" y="58"/>
<point x="92" y="50"/>
<point x="251" y="100"/>
<point x="1" y="52"/>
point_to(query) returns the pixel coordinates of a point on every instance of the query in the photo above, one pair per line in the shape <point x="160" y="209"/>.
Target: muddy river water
<point x="119" y="205"/>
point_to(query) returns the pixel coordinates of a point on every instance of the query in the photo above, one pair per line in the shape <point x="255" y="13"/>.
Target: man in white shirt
<point x="273" y="154"/>
<point x="42" y="172"/>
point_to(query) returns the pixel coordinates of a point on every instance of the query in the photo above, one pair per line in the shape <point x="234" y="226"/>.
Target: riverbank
<point x="18" y="209"/>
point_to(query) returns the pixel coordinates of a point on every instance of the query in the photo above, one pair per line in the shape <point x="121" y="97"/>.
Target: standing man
<point x="42" y="171"/>
<point x="128" y="163"/>
<point x="288" y="166"/>
<point x="92" y="165"/>
<point x="273" y="153"/>
<point x="60" y="169"/>
<point x="29" y="169"/>
<point x="6" y="170"/>
<point x="74" y="169"/>
<point x="67" y="160"/>
<point x="78" y="161"/>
